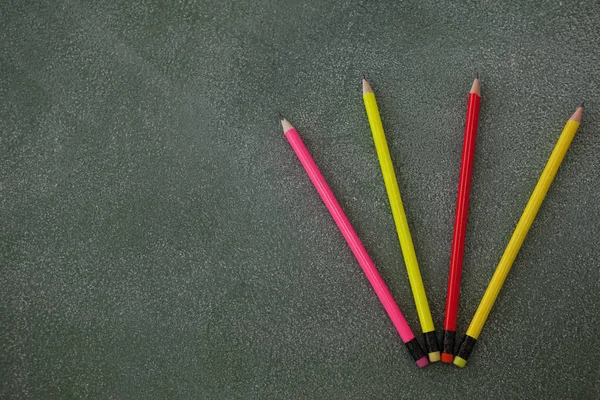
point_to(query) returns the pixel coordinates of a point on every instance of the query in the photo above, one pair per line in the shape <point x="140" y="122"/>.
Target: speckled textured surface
<point x="160" y="240"/>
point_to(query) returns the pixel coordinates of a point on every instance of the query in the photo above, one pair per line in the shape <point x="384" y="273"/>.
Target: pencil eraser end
<point x="422" y="362"/>
<point x="434" y="357"/>
<point x="460" y="362"/>
<point x="448" y="346"/>
<point x="431" y="346"/>
<point x="417" y="353"/>
<point x="464" y="351"/>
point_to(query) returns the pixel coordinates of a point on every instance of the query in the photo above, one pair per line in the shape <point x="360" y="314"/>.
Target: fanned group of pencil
<point x="431" y="351"/>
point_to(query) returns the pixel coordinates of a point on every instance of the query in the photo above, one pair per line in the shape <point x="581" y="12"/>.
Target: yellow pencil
<point x="406" y="243"/>
<point x="515" y="242"/>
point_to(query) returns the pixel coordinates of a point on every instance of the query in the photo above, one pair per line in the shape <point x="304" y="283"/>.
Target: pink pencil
<point x="355" y="245"/>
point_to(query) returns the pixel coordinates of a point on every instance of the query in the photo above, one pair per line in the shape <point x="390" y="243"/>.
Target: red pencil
<point x="460" y="223"/>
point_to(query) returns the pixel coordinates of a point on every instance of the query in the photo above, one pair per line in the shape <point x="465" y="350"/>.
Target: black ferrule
<point x="431" y="343"/>
<point x="415" y="349"/>
<point x="448" y="342"/>
<point x="466" y="347"/>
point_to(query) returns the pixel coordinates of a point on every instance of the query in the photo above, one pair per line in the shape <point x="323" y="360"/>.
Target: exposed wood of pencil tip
<point x="578" y="113"/>
<point x="285" y="125"/>
<point x="366" y="87"/>
<point x="475" y="88"/>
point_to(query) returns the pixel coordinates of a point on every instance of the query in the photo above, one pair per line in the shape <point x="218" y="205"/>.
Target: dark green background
<point x="159" y="239"/>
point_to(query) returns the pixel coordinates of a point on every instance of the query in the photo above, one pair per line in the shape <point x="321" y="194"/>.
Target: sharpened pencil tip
<point x="582" y="104"/>
<point x="577" y="114"/>
<point x="364" y="77"/>
<point x="477" y="75"/>
<point x="366" y="87"/>
<point x="285" y="124"/>
<point x="280" y="115"/>
<point x="476" y="88"/>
